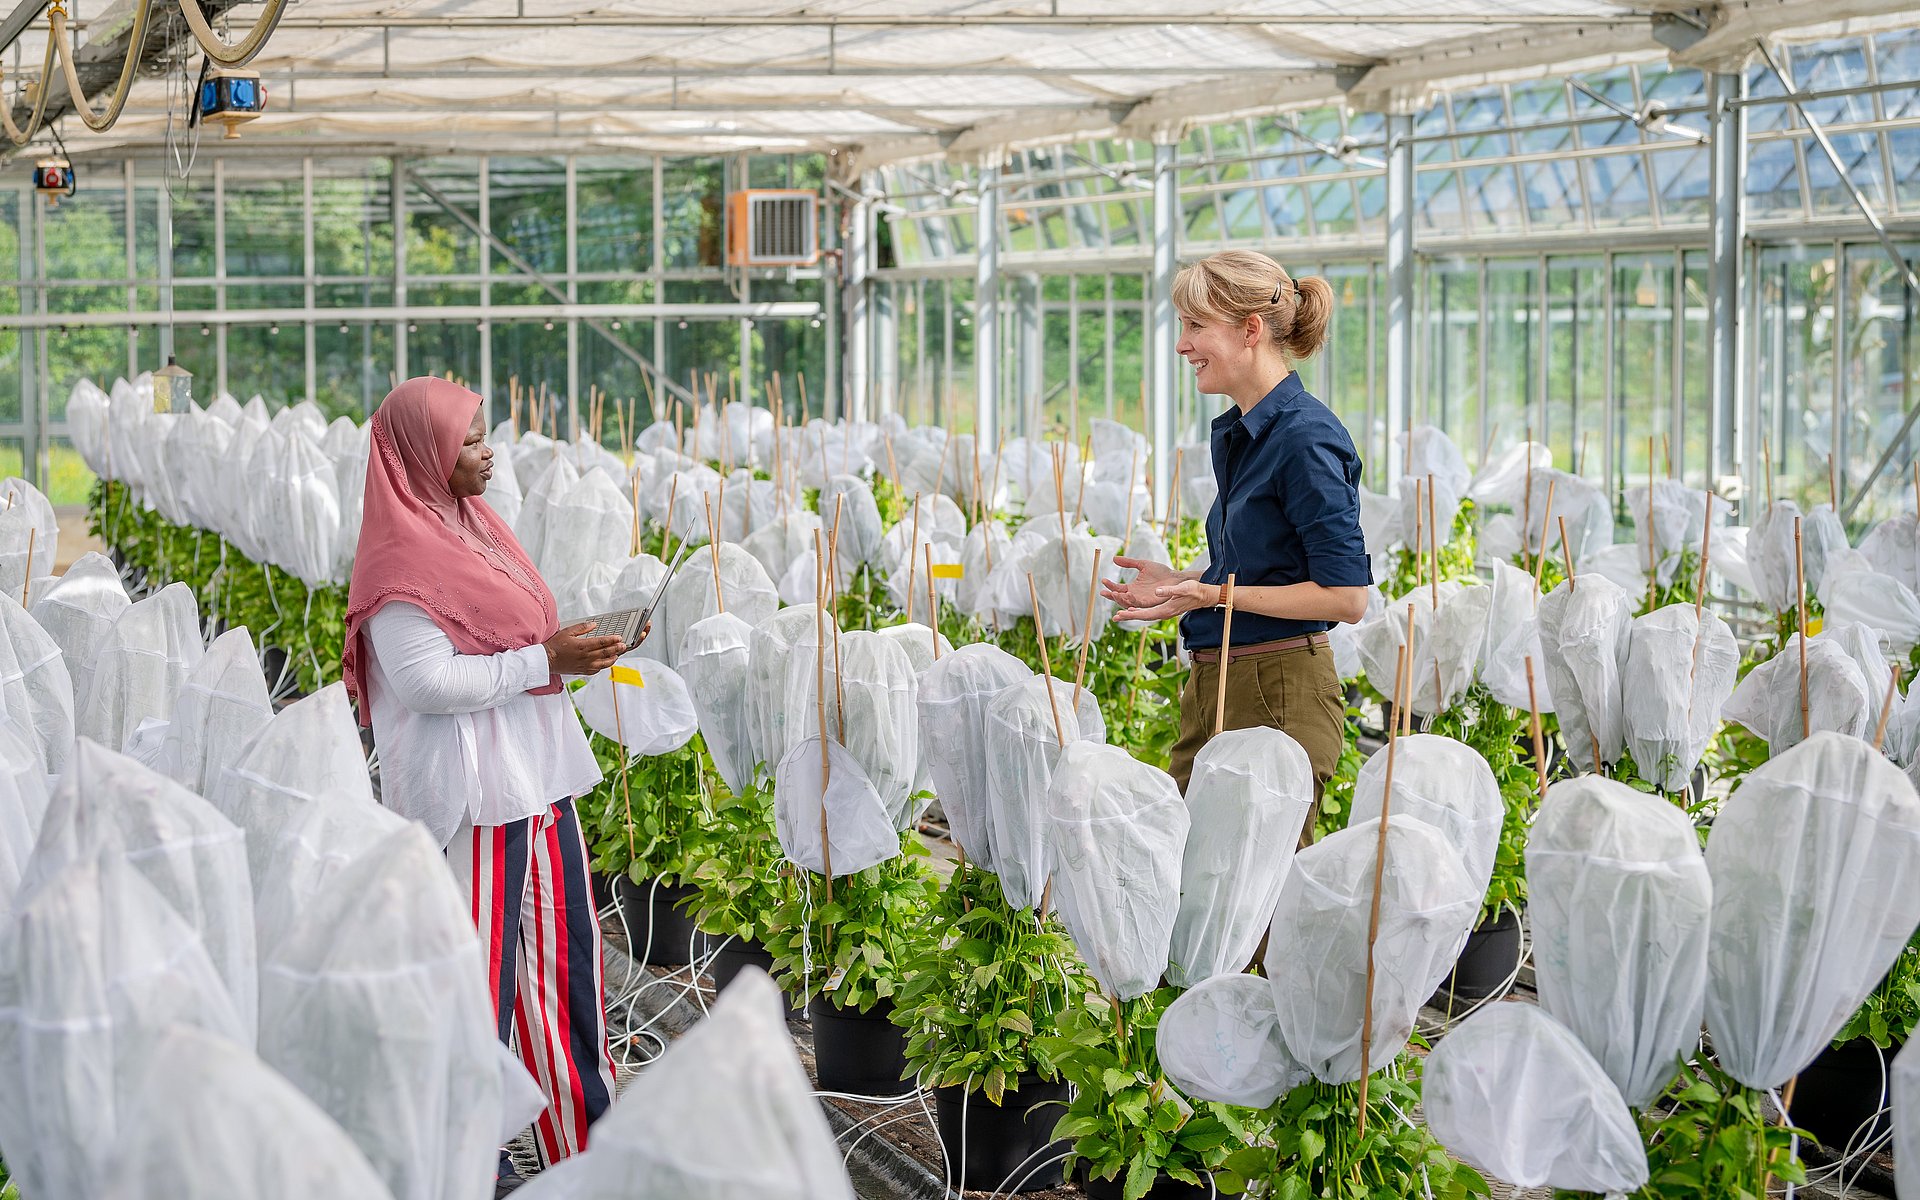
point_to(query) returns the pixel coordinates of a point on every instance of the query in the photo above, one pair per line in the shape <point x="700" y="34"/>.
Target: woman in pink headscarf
<point x="454" y="655"/>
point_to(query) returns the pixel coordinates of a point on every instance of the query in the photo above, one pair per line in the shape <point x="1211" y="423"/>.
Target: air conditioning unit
<point x="773" y="228"/>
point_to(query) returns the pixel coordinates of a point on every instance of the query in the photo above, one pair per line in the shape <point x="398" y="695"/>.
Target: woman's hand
<point x="1179" y="596"/>
<point x="569" y="652"/>
<point x="1142" y="590"/>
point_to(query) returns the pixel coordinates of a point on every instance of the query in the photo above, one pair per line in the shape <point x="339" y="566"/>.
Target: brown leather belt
<point x="1233" y="652"/>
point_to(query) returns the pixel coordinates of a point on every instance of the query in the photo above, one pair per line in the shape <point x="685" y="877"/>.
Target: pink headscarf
<point x="455" y="558"/>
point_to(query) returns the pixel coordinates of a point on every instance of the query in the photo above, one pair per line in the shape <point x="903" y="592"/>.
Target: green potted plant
<point x="740" y="879"/>
<point x="985" y="984"/>
<point x="640" y="825"/>
<point x="840" y="946"/>
<point x="1839" y="1095"/>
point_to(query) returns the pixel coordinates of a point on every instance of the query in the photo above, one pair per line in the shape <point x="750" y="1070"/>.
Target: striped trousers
<point x="532" y="902"/>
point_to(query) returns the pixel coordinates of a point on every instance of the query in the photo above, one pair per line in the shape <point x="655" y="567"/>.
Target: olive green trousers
<point x="1295" y="690"/>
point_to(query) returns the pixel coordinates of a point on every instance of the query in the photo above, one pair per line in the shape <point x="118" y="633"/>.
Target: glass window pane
<point x="1493" y="199"/>
<point x="1794" y="391"/>
<point x="1552" y="194"/>
<point x="1683" y="179"/>
<point x="527" y="211"/>
<point x="1773" y="179"/>
<point x="265" y="219"/>
<point x="269" y="361"/>
<point x="10" y="343"/>
<point x="1452" y="360"/>
<point x="352" y="365"/>
<point x="439" y="243"/>
<point x="690" y="212"/>
<point x="440" y="347"/>
<point x="1617" y="187"/>
<point x="1861" y="154"/>
<point x="1880" y="377"/>
<point x="1513" y="352"/>
<point x="353" y="217"/>
<point x="81" y="352"/>
<point x="191" y="203"/>
<point x="1643" y="307"/>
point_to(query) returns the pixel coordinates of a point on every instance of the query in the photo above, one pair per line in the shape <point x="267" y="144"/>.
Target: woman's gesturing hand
<point x="1141" y="591"/>
<point x="1172" y="599"/>
<point x="571" y="653"/>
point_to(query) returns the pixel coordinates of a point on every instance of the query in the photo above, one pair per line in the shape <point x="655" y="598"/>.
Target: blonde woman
<point x="1286" y="524"/>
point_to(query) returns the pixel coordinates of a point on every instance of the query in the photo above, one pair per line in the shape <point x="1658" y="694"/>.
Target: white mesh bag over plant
<point x="220" y="708"/>
<point x="1906" y="1122"/>
<point x="108" y="804"/>
<point x="689" y="598"/>
<point x="1500" y="480"/>
<point x="376" y="1006"/>
<point x="26" y="520"/>
<point x="858" y="518"/>
<point x="1893" y="548"/>
<point x="36" y="692"/>
<point x="1816" y="889"/>
<point x="551" y="480"/>
<point x="859" y="831"/>
<point x="1620" y="904"/>
<point x="779" y="543"/>
<point x="656" y="716"/>
<point x="1587" y="511"/>
<point x="1513" y="636"/>
<point x="873" y="709"/>
<point x="140" y="666"/>
<point x="1382" y="635"/>
<point x="1585" y="624"/>
<point x="1023" y="750"/>
<point x="954" y="695"/>
<point x="590" y="522"/>
<point x="23" y="805"/>
<point x="210" y="1121"/>
<point x="1446" y="784"/>
<point x="309" y="753"/>
<point x="1512" y="1092"/>
<point x="77" y="611"/>
<point x="1063" y="585"/>
<point x="1221" y="1041"/>
<point x="1851" y="590"/>
<point x="770" y="651"/>
<point x="986" y="541"/>
<point x="1429" y="451"/>
<point x="713" y="662"/>
<point x="93" y="967"/>
<point x="301" y="522"/>
<point x="1317" y="947"/>
<point x="1680" y="672"/>
<point x="1413" y="508"/>
<point x="726" y="1114"/>
<point x="1770" y="551"/>
<point x="1118" y="828"/>
<point x="1248" y="800"/>
<point x="1839" y="699"/>
<point x="1679" y="522"/>
<point x="323" y="840"/>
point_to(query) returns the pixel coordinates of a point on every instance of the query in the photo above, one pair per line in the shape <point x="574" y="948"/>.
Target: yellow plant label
<point x="948" y="570"/>
<point x="622" y="674"/>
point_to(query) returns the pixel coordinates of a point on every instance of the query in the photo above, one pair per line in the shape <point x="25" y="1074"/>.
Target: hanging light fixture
<point x="172" y="387"/>
<point x="1646" y="293"/>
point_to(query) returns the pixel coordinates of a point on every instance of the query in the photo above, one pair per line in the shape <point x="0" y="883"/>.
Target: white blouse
<point x="460" y="737"/>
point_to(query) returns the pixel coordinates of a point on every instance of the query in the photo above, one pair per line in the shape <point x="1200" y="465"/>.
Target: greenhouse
<point x="898" y="600"/>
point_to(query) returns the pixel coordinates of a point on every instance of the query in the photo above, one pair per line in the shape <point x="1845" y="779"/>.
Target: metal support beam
<point x="546" y="22"/>
<point x="986" y="307"/>
<point x="397" y="204"/>
<point x="1163" y="324"/>
<point x="857" y="307"/>
<point x="832" y="272"/>
<point x="1726" y="244"/>
<point x="1399" y="287"/>
<point x="1029" y="355"/>
<point x="884" y="340"/>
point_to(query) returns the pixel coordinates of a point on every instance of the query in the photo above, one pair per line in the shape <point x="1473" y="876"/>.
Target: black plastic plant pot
<point x="1163" y="1189"/>
<point x="1485" y="967"/>
<point x="1000" y="1147"/>
<point x="1839" y="1095"/>
<point x="734" y="955"/>
<point x="602" y="891"/>
<point x="656" y="927"/>
<point x="858" y="1053"/>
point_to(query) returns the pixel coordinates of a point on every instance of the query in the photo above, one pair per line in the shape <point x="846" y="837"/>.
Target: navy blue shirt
<point x="1288" y="511"/>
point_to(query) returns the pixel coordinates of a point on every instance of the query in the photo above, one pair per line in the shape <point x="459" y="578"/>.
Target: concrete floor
<point x="74" y="538"/>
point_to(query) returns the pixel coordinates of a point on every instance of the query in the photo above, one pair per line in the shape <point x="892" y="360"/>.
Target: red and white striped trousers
<point x="533" y="905"/>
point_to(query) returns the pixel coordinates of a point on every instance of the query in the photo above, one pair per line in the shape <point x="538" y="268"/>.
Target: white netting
<point x="1584" y="507"/>
<point x="1117" y="828"/>
<point x="322" y="840"/>
<point x="210" y="1121"/>
<point x="1815" y="860"/>
<point x="1678" y="524"/>
<point x="689" y="598"/>
<point x="1502" y="479"/>
<point x="26" y="519"/>
<point x="1513" y="636"/>
<point x="299" y="523"/>
<point x="36" y="693"/>
<point x="654" y="716"/>
<point x="988" y="549"/>
<point x="873" y="710"/>
<point x="713" y="662"/>
<point x="552" y="478"/>
<point x="94" y="966"/>
<point x="141" y="665"/>
<point x="309" y="753"/>
<point x="1220" y="1041"/>
<point x="222" y="705"/>
<point x="376" y="1004"/>
<point x="1381" y="636"/>
<point x="1064" y="583"/>
<point x="1414" y="507"/>
<point x="23" y="805"/>
<point x="1446" y="784"/>
<point x="1023" y="750"/>
<point x="859" y="529"/>
<point x="1770" y="551"/>
<point x="1317" y="947"/>
<point x="726" y="1114"/>
<point x="1838" y="696"/>
<point x="1681" y="669"/>
<point x="1852" y="590"/>
<point x="1620" y="904"/>
<point x="1248" y="799"/>
<point x="1585" y="624"/>
<point x="780" y="543"/>
<point x="77" y="611"/>
<point x="1512" y="1092"/>
<point x="857" y="830"/>
<point x="1893" y="548"/>
<point x="954" y="695"/>
<point x="590" y="522"/>
<point x="1429" y="451"/>
<point x="770" y="655"/>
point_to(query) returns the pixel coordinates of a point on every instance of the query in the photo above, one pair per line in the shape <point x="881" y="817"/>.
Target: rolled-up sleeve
<point x="428" y="675"/>
<point x="1319" y="493"/>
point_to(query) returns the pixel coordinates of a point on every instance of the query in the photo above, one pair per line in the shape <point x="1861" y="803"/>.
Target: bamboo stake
<point x="1666" y="449"/>
<point x="820" y="700"/>
<point x="1579" y="457"/>
<point x="1540" y="564"/>
<point x="1419" y="535"/>
<point x="1653" y="566"/>
<point x="1433" y="547"/>
<point x="1706" y="547"/>
<point x="713" y="546"/>
<point x="893" y="464"/>
<point x="1086" y="643"/>
<point x="1800" y="586"/>
<point x="940" y="476"/>
<point x="1080" y="501"/>
<point x="1173" y="501"/>
<point x="633" y="483"/>
<point x="1226" y="650"/>
<point x="673" y="493"/>
<point x="1046" y="670"/>
<point x="1379" y="876"/>
<point x="1405" y="711"/>
<point x="1766" y="454"/>
<point x="833" y="595"/>
<point x="1486" y="447"/>
<point x="974" y="508"/>
<point x="1526" y="513"/>
<point x="1133" y="478"/>
<point x="620" y="740"/>
<point x="1886" y="708"/>
<point x="1539" y="743"/>
<point x="1566" y="551"/>
<point x="933" y="604"/>
<point x="27" y="583"/>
